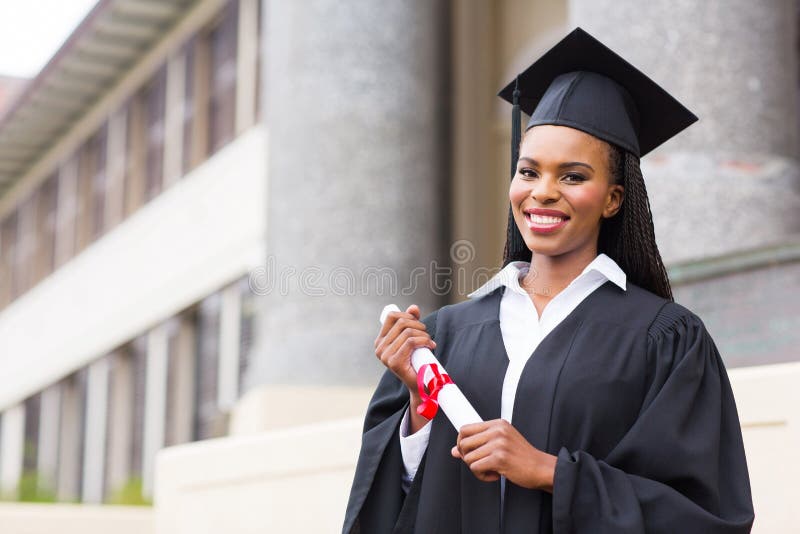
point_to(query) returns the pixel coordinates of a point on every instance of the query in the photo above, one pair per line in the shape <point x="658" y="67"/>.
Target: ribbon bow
<point x="430" y="399"/>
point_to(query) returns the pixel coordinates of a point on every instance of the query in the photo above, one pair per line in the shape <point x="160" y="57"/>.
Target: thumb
<point x="413" y="310"/>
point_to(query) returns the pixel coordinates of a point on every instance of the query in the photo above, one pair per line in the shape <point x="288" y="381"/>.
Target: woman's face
<point x="563" y="188"/>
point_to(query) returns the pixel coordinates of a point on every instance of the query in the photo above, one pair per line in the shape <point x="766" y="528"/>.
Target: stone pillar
<point x="357" y="118"/>
<point x="729" y="182"/>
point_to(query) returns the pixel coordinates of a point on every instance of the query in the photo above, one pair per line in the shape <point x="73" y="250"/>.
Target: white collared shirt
<point x="522" y="330"/>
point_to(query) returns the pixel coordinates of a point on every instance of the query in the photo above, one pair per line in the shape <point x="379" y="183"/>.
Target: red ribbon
<point x="430" y="399"/>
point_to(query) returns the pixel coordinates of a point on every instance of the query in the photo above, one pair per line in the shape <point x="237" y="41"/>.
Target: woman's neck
<point x="549" y="275"/>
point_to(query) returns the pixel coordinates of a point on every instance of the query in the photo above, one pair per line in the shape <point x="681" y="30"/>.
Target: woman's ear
<point x="616" y="196"/>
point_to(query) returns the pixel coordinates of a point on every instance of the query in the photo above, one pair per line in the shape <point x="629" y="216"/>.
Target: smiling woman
<point x="606" y="405"/>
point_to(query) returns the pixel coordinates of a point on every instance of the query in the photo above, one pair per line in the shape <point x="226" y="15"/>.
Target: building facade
<point x="204" y="205"/>
<point x="132" y="208"/>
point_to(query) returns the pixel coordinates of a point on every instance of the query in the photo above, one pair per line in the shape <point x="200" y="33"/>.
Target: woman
<point x="606" y="405"/>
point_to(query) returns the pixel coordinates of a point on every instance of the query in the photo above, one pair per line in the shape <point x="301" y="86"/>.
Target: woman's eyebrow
<point x="560" y="165"/>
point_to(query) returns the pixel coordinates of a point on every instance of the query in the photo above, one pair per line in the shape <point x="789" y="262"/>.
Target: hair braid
<point x="629" y="237"/>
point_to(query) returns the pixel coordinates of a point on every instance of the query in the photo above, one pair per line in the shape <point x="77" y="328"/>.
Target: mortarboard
<point x="583" y="84"/>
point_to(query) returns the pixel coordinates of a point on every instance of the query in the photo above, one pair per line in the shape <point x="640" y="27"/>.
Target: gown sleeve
<point x="376" y="496"/>
<point x="681" y="467"/>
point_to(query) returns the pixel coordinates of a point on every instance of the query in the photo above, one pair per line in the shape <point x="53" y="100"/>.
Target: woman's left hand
<point x="495" y="448"/>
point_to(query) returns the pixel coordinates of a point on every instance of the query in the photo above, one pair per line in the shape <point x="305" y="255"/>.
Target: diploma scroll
<point x="452" y="401"/>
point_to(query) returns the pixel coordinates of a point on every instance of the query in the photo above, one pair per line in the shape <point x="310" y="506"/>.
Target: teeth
<point x="544" y="219"/>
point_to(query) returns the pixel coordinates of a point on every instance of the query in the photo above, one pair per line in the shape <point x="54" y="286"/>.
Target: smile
<point x="544" y="223"/>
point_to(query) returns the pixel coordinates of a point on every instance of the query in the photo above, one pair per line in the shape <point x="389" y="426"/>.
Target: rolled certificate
<point x="452" y="401"/>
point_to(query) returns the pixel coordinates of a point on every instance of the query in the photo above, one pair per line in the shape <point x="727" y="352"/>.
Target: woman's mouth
<point x="545" y="221"/>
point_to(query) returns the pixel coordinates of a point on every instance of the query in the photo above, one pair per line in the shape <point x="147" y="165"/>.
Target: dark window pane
<point x="222" y="110"/>
<point x="99" y="181"/>
<point x="208" y="419"/>
<point x="8" y="251"/>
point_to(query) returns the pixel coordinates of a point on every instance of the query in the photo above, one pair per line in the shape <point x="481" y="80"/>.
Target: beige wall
<point x="74" y="519"/>
<point x="294" y="480"/>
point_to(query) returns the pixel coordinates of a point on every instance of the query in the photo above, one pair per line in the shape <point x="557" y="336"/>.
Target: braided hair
<point x="628" y="237"/>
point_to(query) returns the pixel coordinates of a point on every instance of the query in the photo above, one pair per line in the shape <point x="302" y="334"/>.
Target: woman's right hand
<point x="401" y="334"/>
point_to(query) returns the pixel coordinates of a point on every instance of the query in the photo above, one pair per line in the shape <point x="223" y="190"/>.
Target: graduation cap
<point x="583" y="84"/>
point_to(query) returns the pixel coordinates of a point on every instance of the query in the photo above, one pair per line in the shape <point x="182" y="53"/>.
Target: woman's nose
<point x="545" y="190"/>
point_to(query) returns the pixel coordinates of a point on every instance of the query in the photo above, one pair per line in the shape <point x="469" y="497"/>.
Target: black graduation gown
<point x="628" y="391"/>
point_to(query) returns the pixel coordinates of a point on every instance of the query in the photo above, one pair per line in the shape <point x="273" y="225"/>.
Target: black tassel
<point x="516" y="129"/>
<point x="515" y="249"/>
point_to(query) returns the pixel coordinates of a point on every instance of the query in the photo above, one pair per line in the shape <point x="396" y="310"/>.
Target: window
<point x="135" y="141"/>
<point x="26" y="245"/>
<point x="31" y="450"/>
<point x="66" y="211"/>
<point x="83" y="215"/>
<point x="138" y="352"/>
<point x="222" y="103"/>
<point x="248" y="317"/>
<point x="8" y="251"/>
<point x="48" y="197"/>
<point x="98" y="152"/>
<point x="189" y="106"/>
<point x="208" y="418"/>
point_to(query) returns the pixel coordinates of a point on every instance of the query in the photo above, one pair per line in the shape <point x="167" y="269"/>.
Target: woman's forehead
<point x="562" y="143"/>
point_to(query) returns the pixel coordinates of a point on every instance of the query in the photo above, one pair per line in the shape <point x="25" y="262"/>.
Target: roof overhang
<point x="106" y="44"/>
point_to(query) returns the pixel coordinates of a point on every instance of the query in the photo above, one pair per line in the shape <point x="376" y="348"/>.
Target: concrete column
<point x="95" y="444"/>
<point x="13" y="448"/>
<point x="357" y="112"/>
<point x="49" y="423"/>
<point x="730" y="181"/>
<point x="155" y="404"/>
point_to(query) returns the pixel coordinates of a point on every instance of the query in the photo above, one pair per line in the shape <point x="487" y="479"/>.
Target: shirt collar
<point x="509" y="276"/>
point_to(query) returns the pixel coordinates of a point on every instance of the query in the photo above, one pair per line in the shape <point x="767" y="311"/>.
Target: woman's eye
<point x="528" y="172"/>
<point x="573" y="177"/>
